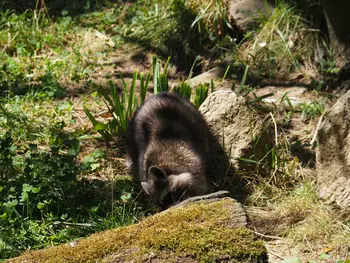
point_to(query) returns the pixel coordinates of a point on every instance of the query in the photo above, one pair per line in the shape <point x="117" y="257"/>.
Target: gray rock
<point x="209" y="197"/>
<point x="333" y="154"/>
<point x="237" y="126"/>
<point x="206" y="77"/>
<point x="243" y="11"/>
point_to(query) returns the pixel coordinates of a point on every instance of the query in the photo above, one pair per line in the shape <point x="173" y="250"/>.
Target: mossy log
<point x="202" y="231"/>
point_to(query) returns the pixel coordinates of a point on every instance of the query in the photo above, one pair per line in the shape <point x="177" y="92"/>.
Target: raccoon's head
<point x="165" y="189"/>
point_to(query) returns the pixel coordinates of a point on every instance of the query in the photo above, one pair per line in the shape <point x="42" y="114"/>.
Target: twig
<point x="267" y="236"/>
<point x="307" y="241"/>
<point x="316" y="131"/>
<point x="275" y="125"/>
<point x="9" y="42"/>
<point x="275" y="254"/>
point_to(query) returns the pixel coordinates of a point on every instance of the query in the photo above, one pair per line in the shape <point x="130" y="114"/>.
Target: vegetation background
<point x="73" y="72"/>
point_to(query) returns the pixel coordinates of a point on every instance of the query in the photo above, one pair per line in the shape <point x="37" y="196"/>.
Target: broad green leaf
<point x="291" y="260"/>
<point x="98" y="154"/>
<point x="89" y="159"/>
<point x="40" y="205"/>
<point x="26" y="188"/>
<point x="35" y="190"/>
<point x="100" y="126"/>
<point x="94" y="166"/>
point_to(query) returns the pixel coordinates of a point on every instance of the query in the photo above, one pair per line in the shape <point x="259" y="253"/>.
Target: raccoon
<point x="169" y="145"/>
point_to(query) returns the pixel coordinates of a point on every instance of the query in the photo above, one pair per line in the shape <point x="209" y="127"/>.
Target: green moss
<point x="197" y="230"/>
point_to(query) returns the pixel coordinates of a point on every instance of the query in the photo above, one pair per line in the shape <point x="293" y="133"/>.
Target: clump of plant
<point x="201" y="94"/>
<point x="284" y="43"/>
<point x="160" y="79"/>
<point x="34" y="186"/>
<point x="184" y="89"/>
<point x="43" y="201"/>
<point x="212" y="18"/>
<point x="120" y="106"/>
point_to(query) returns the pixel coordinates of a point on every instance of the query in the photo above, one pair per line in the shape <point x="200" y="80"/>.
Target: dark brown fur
<point x="169" y="146"/>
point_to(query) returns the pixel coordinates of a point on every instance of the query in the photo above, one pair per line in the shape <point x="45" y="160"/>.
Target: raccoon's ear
<point x="156" y="173"/>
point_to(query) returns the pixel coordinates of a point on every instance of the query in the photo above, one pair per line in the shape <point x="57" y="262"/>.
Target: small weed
<point x="160" y="80"/>
<point x="312" y="110"/>
<point x="184" y="89"/>
<point x="201" y="94"/>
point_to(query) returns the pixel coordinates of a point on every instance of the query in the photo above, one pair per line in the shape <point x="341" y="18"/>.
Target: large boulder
<point x="333" y="154"/>
<point x="243" y="133"/>
<point x="203" y="230"/>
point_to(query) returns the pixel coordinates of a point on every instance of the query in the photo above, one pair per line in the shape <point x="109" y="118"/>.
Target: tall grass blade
<point x="166" y="65"/>
<point x="244" y="78"/>
<point x="105" y="134"/>
<point x="193" y="65"/>
<point x="226" y="71"/>
<point x="144" y="88"/>
<point x="131" y="100"/>
<point x="256" y="99"/>
<point x="212" y="88"/>
<point x="156" y="74"/>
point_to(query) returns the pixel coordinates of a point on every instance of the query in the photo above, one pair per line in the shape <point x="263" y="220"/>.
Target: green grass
<point x="46" y="197"/>
<point x="284" y="43"/>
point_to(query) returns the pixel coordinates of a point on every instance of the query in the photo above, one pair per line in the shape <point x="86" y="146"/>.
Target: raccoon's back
<point x="168" y="116"/>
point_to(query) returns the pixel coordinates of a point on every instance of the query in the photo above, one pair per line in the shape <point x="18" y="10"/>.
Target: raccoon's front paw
<point x="128" y="163"/>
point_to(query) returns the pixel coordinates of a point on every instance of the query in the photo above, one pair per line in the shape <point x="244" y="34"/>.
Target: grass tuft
<point x="284" y="43"/>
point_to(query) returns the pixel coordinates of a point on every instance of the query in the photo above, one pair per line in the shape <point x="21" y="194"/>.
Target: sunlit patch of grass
<point x="300" y="218"/>
<point x="32" y="120"/>
<point x="284" y="43"/>
<point x="42" y="55"/>
<point x="321" y="224"/>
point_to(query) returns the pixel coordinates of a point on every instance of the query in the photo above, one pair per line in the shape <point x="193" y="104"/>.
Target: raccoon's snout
<point x="173" y="198"/>
<point x="166" y="190"/>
